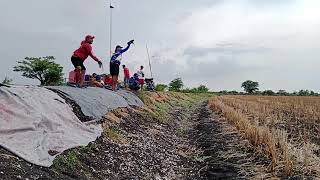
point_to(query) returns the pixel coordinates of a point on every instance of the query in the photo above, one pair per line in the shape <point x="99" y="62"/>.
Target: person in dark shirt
<point x="115" y="62"/>
<point x="134" y="82"/>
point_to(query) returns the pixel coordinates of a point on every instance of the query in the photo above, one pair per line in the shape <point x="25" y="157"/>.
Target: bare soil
<point x="194" y="144"/>
<point x="224" y="153"/>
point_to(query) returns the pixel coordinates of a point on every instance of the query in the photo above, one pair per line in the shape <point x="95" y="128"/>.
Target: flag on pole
<point x="111" y="7"/>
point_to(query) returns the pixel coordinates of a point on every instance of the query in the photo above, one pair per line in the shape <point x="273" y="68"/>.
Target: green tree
<point x="186" y="90"/>
<point x="161" y="87"/>
<point x="192" y="90"/>
<point x="176" y="85"/>
<point x="304" y="92"/>
<point x="202" y="89"/>
<point x="250" y="86"/>
<point x="223" y="92"/>
<point x="233" y="92"/>
<point x="312" y="93"/>
<point x="43" y="69"/>
<point x="283" y="93"/>
<point x="268" y="93"/>
<point x="7" y="81"/>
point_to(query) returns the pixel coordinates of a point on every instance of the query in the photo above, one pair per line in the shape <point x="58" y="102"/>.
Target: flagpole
<point x="149" y="60"/>
<point x="110" y="50"/>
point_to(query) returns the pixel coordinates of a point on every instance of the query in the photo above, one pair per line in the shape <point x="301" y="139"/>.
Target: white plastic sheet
<point x="35" y="121"/>
<point x="96" y="102"/>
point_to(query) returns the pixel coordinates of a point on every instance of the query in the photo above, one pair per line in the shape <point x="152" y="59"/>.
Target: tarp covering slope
<point x="96" y="102"/>
<point x="35" y="121"/>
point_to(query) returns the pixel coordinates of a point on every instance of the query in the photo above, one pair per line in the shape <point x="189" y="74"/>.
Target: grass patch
<point x="90" y="148"/>
<point x="182" y="132"/>
<point x="161" y="103"/>
<point x="145" y="98"/>
<point x="115" y="135"/>
<point x="68" y="161"/>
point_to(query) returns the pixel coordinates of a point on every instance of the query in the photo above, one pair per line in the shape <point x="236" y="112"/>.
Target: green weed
<point x="114" y="134"/>
<point x="68" y="161"/>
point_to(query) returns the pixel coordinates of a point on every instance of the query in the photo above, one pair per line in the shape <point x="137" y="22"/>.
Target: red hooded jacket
<point x="84" y="51"/>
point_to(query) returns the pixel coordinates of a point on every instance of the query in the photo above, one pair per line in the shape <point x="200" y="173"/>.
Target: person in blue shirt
<point x="115" y="62"/>
<point x="134" y="82"/>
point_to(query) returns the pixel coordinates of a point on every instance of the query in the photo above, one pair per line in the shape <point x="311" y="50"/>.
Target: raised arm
<point x="128" y="46"/>
<point x="125" y="49"/>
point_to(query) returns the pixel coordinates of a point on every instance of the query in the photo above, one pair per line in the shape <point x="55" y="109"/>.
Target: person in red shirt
<point x="107" y="79"/>
<point x="126" y="76"/>
<point x="80" y="55"/>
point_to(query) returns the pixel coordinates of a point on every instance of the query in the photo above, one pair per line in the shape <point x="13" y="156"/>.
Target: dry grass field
<point x="284" y="129"/>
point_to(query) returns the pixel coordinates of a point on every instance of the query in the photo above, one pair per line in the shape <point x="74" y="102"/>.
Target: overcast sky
<point x="220" y="43"/>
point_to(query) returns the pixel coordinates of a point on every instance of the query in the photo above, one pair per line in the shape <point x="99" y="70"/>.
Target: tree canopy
<point x="43" y="69"/>
<point x="176" y="85"/>
<point x="203" y="89"/>
<point x="250" y="86"/>
<point x="268" y="93"/>
<point x="161" y="87"/>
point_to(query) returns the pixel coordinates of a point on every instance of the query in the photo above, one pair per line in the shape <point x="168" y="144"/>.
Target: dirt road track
<point x="225" y="155"/>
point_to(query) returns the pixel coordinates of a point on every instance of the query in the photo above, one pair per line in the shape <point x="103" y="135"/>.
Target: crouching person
<point x="79" y="56"/>
<point x="96" y="81"/>
<point x="134" y="82"/>
<point x="107" y="79"/>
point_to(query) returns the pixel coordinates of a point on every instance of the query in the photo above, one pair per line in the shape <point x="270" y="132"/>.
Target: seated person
<point x="150" y="84"/>
<point x="107" y="79"/>
<point x="120" y="84"/>
<point x="96" y="80"/>
<point x="134" y="82"/>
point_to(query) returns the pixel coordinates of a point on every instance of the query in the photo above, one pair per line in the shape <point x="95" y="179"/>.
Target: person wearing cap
<point x="80" y="55"/>
<point x="115" y="62"/>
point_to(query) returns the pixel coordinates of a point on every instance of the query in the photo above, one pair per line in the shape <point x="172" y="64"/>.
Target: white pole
<point x="110" y="30"/>
<point x="149" y="60"/>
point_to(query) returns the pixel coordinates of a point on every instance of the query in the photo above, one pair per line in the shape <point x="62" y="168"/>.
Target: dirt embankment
<point x="174" y="137"/>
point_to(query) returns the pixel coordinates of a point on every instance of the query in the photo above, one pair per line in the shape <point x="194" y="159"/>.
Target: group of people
<point x="135" y="82"/>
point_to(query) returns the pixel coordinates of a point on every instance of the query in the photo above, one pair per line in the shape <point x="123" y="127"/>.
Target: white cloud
<point x="289" y="32"/>
<point x="274" y="42"/>
<point x="243" y="22"/>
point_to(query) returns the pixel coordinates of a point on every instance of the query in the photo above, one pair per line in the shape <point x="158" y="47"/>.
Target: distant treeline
<point x="250" y="88"/>
<point x="177" y="85"/>
<point x="272" y="93"/>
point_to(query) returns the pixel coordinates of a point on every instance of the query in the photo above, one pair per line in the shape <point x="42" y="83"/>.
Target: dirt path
<point x="225" y="155"/>
<point x="193" y="144"/>
<point x="208" y="136"/>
